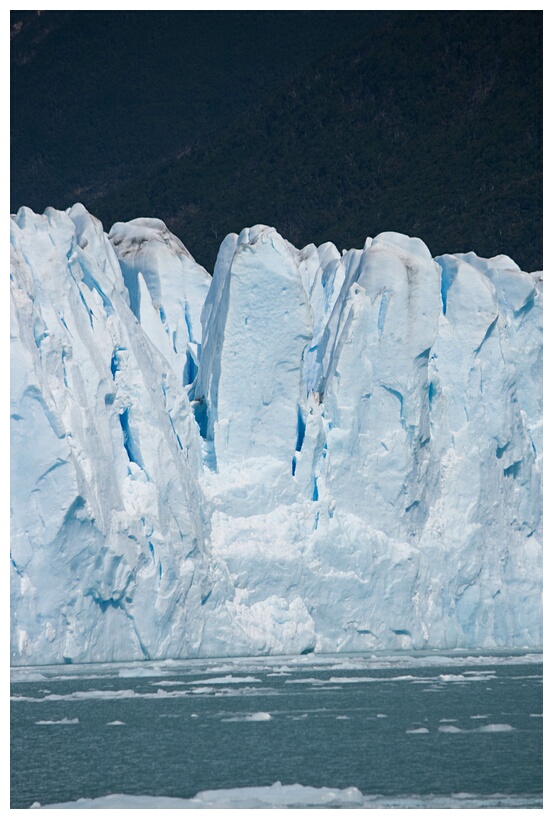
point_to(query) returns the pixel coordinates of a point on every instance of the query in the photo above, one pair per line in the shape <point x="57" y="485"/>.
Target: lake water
<point x="417" y="730"/>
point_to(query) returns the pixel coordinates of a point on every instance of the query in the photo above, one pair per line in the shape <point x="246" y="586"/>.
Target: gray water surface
<point x="407" y="727"/>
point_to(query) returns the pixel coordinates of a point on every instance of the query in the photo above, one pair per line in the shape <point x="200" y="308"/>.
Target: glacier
<point x="310" y="451"/>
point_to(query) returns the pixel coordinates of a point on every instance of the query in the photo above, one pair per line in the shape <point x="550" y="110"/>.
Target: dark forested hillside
<point x="428" y="123"/>
<point x="99" y="97"/>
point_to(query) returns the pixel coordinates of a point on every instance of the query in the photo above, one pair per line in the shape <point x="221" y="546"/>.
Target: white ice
<point x="311" y="452"/>
<point x="299" y="796"/>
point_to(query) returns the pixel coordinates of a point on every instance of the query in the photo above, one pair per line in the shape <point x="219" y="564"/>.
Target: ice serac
<point x="108" y="535"/>
<point x="413" y="517"/>
<point x="313" y="450"/>
<point x="487" y="442"/>
<point x="166" y="290"/>
<point x="256" y="333"/>
<point x="376" y="385"/>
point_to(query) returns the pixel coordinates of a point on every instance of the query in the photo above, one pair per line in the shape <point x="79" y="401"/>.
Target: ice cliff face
<point x="311" y="451"/>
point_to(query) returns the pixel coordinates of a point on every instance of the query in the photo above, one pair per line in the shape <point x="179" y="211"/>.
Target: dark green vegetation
<point x="327" y="125"/>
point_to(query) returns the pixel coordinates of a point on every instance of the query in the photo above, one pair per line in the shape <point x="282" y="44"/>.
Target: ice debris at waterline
<point x="302" y="796"/>
<point x="312" y="451"/>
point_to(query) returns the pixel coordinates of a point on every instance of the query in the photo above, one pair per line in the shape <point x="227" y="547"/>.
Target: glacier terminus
<point x="310" y="451"/>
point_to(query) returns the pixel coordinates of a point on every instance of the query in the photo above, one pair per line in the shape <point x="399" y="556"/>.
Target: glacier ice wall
<point x="313" y="450"/>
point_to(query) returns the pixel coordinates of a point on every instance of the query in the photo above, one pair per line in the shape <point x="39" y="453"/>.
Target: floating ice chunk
<point x="274" y="796"/>
<point x="259" y="716"/>
<point x="142" y="671"/>
<point x="102" y="695"/>
<point x="224" y="680"/>
<point x="64" y="721"/>
<point x="402" y="678"/>
<point x="302" y="796"/>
